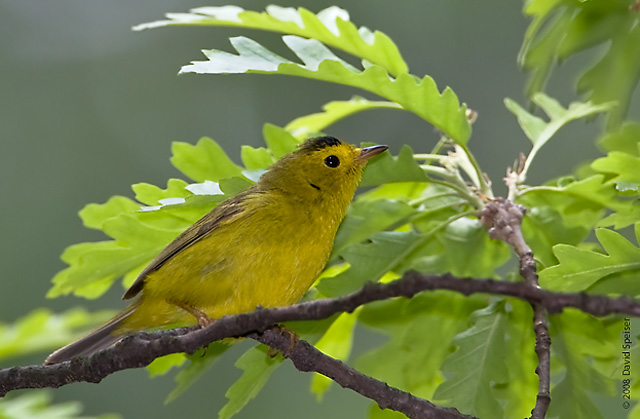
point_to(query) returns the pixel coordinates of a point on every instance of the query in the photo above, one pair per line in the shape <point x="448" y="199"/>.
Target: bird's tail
<point x="100" y="339"/>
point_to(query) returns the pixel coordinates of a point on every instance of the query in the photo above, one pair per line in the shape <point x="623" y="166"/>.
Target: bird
<point x="263" y="247"/>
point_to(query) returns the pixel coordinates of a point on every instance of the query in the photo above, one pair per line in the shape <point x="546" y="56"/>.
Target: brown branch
<point x="504" y="220"/>
<point x="141" y="349"/>
<point x="306" y="358"/>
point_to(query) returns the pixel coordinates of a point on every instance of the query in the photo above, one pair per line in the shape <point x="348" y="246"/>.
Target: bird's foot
<point x="203" y="319"/>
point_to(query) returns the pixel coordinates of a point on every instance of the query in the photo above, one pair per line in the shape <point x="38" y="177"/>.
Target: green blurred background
<point x="89" y="107"/>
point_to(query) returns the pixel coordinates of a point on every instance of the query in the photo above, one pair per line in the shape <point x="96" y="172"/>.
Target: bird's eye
<point x="332" y="161"/>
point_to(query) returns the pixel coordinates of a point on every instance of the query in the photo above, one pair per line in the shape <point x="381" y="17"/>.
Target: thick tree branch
<point x="141" y="349"/>
<point x="504" y="220"/>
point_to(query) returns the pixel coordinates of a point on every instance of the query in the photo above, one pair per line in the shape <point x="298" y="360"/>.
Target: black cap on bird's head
<point x="318" y="143"/>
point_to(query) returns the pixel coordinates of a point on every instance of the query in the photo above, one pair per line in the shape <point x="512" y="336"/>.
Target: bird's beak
<point x="368" y="152"/>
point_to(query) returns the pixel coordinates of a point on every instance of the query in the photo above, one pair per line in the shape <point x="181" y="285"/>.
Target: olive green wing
<point x="218" y="217"/>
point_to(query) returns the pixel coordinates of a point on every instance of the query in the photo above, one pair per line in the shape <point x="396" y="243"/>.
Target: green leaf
<point x="152" y="195"/>
<point x="95" y="215"/>
<point x="162" y="365"/>
<point x="463" y="249"/>
<point x="256" y="158"/>
<point x="616" y="75"/>
<point x="204" y="161"/>
<point x="477" y="365"/>
<point x="538" y="131"/>
<point x="420" y="332"/>
<point x="389" y="169"/>
<point x="561" y="29"/>
<point x="139" y="233"/>
<point x="257" y="367"/>
<point x="576" y="338"/>
<point x="519" y="393"/>
<point x="405" y="191"/>
<point x="336" y="342"/>
<point x="37" y="405"/>
<point x="538" y="55"/>
<point x="94" y="266"/>
<point x="308" y="125"/>
<point x="421" y="97"/>
<point x="369" y="262"/>
<point x="625" y="166"/>
<point x="626" y="139"/>
<point x="43" y="330"/>
<point x="366" y="217"/>
<point x="330" y="26"/>
<point x="578" y="269"/>
<point x="198" y="365"/>
<point x="544" y="227"/>
<point x="206" y="197"/>
<point x="376" y="413"/>
<point x="581" y="202"/>
<point x="531" y="125"/>
<point x="620" y="283"/>
<point x="234" y="185"/>
<point x="279" y="140"/>
<point x="623" y="218"/>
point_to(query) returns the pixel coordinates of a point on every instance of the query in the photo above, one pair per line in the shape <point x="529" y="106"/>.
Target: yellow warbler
<point x="264" y="246"/>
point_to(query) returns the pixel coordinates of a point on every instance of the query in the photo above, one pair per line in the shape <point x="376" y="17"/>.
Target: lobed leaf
<point x="365" y="218"/>
<point x="390" y="169"/>
<point x="257" y="367"/>
<point x="625" y="139"/>
<point x="152" y="195"/>
<point x="581" y="202"/>
<point x="578" y="269"/>
<point x="162" y="365"/>
<point x="463" y="249"/>
<point x="544" y="227"/>
<point x="330" y="26"/>
<point x="306" y="126"/>
<point x="420" y="332"/>
<point x="256" y="158"/>
<point x="540" y="132"/>
<point x="518" y="395"/>
<point x="204" y="161"/>
<point x="577" y="339"/>
<point x="94" y="266"/>
<point x="625" y="167"/>
<point x="477" y="365"/>
<point x="336" y="342"/>
<point x="279" y="140"/>
<point x="369" y="262"/>
<point x="562" y="29"/>
<point x="139" y="233"/>
<point x="623" y="218"/>
<point x="616" y="75"/>
<point x="420" y="96"/>
<point x="199" y="364"/>
<point x="95" y="215"/>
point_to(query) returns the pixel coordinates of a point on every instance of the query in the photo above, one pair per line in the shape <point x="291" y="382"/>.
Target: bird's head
<point x="322" y="168"/>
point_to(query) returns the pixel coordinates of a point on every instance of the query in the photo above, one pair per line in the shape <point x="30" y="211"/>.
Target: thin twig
<point x="504" y="220"/>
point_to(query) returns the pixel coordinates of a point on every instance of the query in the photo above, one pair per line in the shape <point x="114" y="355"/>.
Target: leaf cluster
<point x="420" y="213"/>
